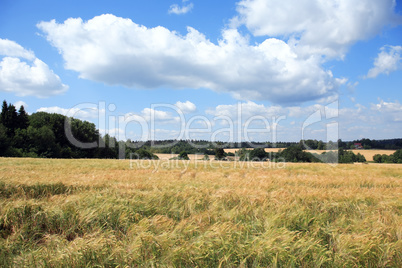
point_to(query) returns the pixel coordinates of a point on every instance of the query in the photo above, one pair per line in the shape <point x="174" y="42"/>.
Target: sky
<point x="246" y="70"/>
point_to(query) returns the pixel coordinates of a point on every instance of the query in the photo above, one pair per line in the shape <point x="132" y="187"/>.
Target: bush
<point x="183" y="156"/>
<point x="257" y="154"/>
<point x="349" y="157"/>
<point x="296" y="154"/>
<point x="393" y="158"/>
<point x="220" y="154"/>
<point x="143" y="154"/>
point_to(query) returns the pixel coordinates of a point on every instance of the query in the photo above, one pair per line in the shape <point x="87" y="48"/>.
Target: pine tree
<point x="22" y="118"/>
<point x="11" y="119"/>
<point x="4" y="110"/>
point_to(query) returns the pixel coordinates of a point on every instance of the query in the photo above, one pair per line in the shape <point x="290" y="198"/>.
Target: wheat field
<point x="368" y="154"/>
<point x="109" y="213"/>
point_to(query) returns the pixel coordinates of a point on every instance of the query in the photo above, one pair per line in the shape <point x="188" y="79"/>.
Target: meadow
<point x="108" y="213"/>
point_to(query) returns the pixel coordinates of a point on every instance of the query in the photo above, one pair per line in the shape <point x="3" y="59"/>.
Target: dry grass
<point x="104" y="213"/>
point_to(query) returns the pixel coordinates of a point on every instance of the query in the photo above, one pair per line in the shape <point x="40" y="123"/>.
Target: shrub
<point x="257" y="154"/>
<point x="183" y="156"/>
<point x="143" y="154"/>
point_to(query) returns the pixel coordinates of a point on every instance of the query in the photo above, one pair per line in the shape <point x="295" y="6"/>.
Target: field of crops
<point x="75" y="213"/>
<point x="368" y="154"/>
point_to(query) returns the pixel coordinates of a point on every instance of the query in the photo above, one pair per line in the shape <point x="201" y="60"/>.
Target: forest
<point x="43" y="135"/>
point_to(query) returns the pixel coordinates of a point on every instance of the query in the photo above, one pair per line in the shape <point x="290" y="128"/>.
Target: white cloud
<point x="176" y="9"/>
<point x="303" y="112"/>
<point x="12" y="49"/>
<point x="84" y="114"/>
<point x="273" y="123"/>
<point x="151" y="114"/>
<point x="392" y="110"/>
<point x="93" y="114"/>
<point x="379" y="121"/>
<point x="32" y="77"/>
<point x="387" y="61"/>
<point x="250" y="109"/>
<point x="117" y="51"/>
<point x="186" y="107"/>
<point x="247" y="110"/>
<point x="316" y="26"/>
<point x="18" y="104"/>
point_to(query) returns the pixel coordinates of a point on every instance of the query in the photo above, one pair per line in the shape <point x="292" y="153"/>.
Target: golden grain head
<point x="184" y="213"/>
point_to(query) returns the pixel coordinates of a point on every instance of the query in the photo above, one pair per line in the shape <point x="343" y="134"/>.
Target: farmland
<point x="368" y="154"/>
<point x="91" y="212"/>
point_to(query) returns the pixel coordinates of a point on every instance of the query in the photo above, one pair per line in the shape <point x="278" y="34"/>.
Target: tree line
<point x="393" y="158"/>
<point x="43" y="134"/>
<point x="296" y="153"/>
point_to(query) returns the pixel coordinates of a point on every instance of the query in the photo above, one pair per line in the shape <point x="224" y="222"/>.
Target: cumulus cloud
<point x="18" y="104"/>
<point x="178" y="10"/>
<point x="275" y="123"/>
<point x="285" y="123"/>
<point x="387" y="61"/>
<point x="250" y="109"/>
<point x="93" y="112"/>
<point x="24" y="74"/>
<point x="117" y="51"/>
<point x="158" y="115"/>
<point x="186" y="107"/>
<point x="247" y="110"/>
<point x="321" y="27"/>
<point x="392" y="110"/>
<point x="377" y="121"/>
<point x="84" y="114"/>
<point x="12" y="49"/>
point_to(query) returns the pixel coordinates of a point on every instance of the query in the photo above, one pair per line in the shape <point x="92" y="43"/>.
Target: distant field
<point x="266" y="149"/>
<point x="108" y="213"/>
<point x="191" y="156"/>
<point x="368" y="154"/>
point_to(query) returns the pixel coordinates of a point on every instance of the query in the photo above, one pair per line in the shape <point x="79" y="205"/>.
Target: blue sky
<point x="259" y="70"/>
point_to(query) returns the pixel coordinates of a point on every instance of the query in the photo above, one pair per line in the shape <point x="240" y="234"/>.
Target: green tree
<point x="219" y="154"/>
<point x="9" y="118"/>
<point x="296" y="154"/>
<point x="4" y="109"/>
<point x="397" y="156"/>
<point x="183" y="156"/>
<point x="143" y="154"/>
<point x="21" y="139"/>
<point x="377" y="158"/>
<point x="257" y="154"/>
<point x="320" y="146"/>
<point x="109" y="148"/>
<point x="350" y="157"/>
<point x="42" y="142"/>
<point x="342" y="144"/>
<point x="22" y="118"/>
<point x="4" y="141"/>
<point x="360" y="158"/>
